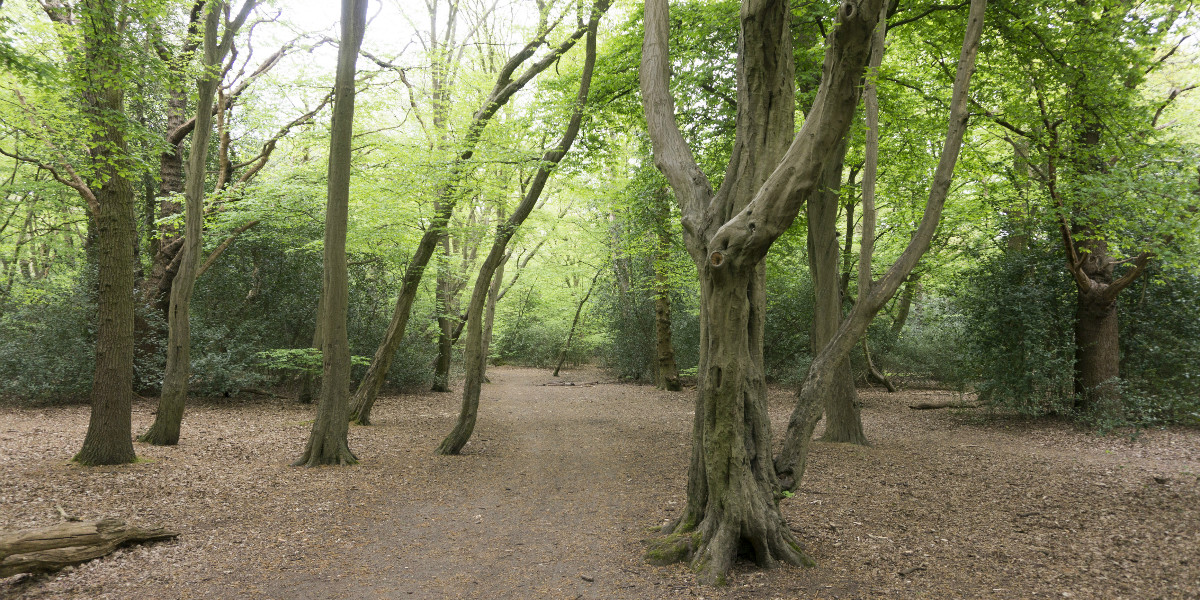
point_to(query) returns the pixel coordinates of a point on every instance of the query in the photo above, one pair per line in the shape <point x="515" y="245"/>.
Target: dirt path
<point x="561" y="483"/>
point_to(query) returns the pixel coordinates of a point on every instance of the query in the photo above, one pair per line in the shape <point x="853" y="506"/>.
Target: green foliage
<point x="1160" y="348"/>
<point x="1019" y="331"/>
<point x="47" y="345"/>
<point x="931" y="346"/>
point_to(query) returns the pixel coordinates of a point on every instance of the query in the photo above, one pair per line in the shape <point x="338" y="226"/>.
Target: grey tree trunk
<point x="169" y="418"/>
<point x="327" y="443"/>
<point x="842" y="420"/>
<point x="732" y="485"/>
<point x="475" y="359"/>
<point x="790" y="462"/>
<point x="666" y="373"/>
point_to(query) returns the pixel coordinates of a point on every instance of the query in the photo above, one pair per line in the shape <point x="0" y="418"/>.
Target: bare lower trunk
<point x="327" y="442"/>
<point x="666" y="373"/>
<point x="109" y="438"/>
<point x="842" y="420"/>
<point x="1097" y="357"/>
<point x="732" y="488"/>
<point x="446" y="306"/>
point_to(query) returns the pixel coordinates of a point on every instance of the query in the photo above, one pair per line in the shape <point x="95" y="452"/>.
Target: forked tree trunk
<point x="475" y="358"/>
<point x="327" y="442"/>
<point x="169" y="418"/>
<point x="109" y="438"/>
<point x="732" y="486"/>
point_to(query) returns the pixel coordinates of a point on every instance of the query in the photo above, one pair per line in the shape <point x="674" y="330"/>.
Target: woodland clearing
<point x="560" y="484"/>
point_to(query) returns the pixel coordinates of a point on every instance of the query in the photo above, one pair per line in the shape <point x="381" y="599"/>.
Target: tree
<point x="168" y="419"/>
<point x="327" y="443"/>
<point x="790" y="462"/>
<point x="1079" y="119"/>
<point x="732" y="485"/>
<point x="508" y="82"/>
<point x="476" y="360"/>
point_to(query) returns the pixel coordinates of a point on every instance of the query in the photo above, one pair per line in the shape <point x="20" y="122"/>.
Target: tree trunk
<point x="1097" y="358"/>
<point x="732" y="486"/>
<point x="666" y="375"/>
<point x="475" y="358"/>
<point x="790" y="462"/>
<point x="562" y="355"/>
<point x="905" y="306"/>
<point x="109" y="438"/>
<point x="327" y="443"/>
<point x="447" y="302"/>
<point x="842" y="420"/>
<point x="48" y="549"/>
<point x="169" y="418"/>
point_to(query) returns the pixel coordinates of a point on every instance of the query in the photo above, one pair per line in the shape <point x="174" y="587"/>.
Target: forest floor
<point x="560" y="485"/>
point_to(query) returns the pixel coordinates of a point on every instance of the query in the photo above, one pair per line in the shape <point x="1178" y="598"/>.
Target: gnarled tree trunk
<point x="732" y="486"/>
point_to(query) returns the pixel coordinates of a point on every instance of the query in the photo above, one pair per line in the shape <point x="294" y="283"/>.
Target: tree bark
<point x="169" y="418"/>
<point x="732" y="484"/>
<point x="475" y="360"/>
<point x="790" y="462"/>
<point x="327" y="443"/>
<point x="666" y="373"/>
<point x="906" y="297"/>
<point x="447" y="309"/>
<point x="842" y="421"/>
<point x="48" y="549"/>
<point x="109" y="438"/>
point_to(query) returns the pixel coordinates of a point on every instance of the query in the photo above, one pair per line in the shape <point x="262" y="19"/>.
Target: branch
<point x="672" y="156"/>
<point x="216" y="253"/>
<point x="928" y="12"/>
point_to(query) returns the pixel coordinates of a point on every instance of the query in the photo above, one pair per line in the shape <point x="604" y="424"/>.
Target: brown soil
<point x="561" y="483"/>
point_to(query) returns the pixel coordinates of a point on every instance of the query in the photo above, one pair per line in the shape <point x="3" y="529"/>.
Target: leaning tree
<point x="733" y="487"/>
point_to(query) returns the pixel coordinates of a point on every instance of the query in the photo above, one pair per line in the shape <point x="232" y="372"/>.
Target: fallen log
<point x="46" y="549"/>
<point x="937" y="405"/>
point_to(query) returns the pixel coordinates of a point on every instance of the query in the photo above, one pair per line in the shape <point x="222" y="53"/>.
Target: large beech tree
<point x="733" y="487"/>
<point x="327" y="443"/>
